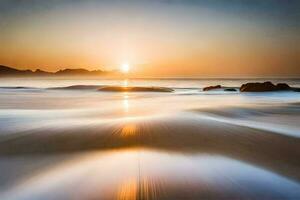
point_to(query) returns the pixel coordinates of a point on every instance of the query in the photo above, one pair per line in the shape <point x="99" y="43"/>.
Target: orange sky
<point x="156" y="39"/>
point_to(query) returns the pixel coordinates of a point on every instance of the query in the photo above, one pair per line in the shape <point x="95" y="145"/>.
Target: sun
<point x="125" y="68"/>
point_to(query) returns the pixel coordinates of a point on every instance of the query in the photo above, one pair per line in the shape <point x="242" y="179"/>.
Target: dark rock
<point x="230" y="90"/>
<point x="212" y="87"/>
<point x="283" y="86"/>
<point x="16" y="88"/>
<point x="264" y="87"/>
<point x="296" y="89"/>
<point x="258" y="87"/>
<point x="77" y="87"/>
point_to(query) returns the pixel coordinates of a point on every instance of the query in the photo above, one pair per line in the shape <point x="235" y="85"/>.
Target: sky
<point x="157" y="38"/>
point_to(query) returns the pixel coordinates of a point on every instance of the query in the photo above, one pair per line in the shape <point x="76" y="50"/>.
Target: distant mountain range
<point x="6" y="71"/>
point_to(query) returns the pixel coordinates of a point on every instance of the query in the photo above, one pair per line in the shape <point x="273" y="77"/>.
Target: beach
<point x="66" y="139"/>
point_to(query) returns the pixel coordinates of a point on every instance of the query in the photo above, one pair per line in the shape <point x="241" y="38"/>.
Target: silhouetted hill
<point x="80" y="71"/>
<point x="41" y="73"/>
<point x="6" y="71"/>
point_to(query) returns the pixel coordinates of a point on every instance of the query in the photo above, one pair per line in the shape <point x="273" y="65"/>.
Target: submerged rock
<point x="212" y="87"/>
<point x="230" y="90"/>
<point x="135" y="89"/>
<point x="218" y="87"/>
<point x="296" y="89"/>
<point x="264" y="87"/>
<point x="77" y="87"/>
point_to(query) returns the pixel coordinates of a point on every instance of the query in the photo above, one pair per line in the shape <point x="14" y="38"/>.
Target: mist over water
<point x="62" y="142"/>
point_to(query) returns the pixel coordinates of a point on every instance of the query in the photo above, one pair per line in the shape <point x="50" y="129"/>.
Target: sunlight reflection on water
<point x="160" y="175"/>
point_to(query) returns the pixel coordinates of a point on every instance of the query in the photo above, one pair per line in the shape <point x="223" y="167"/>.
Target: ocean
<point x="62" y="142"/>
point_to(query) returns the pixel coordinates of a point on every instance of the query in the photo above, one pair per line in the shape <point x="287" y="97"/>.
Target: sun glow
<point x="125" y="68"/>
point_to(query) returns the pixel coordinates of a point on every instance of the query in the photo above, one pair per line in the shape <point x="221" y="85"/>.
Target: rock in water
<point x="212" y="87"/>
<point x="230" y="90"/>
<point x="264" y="87"/>
<point x="283" y="86"/>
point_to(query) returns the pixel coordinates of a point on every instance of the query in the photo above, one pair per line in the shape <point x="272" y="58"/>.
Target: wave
<point x="280" y="119"/>
<point x="181" y="134"/>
